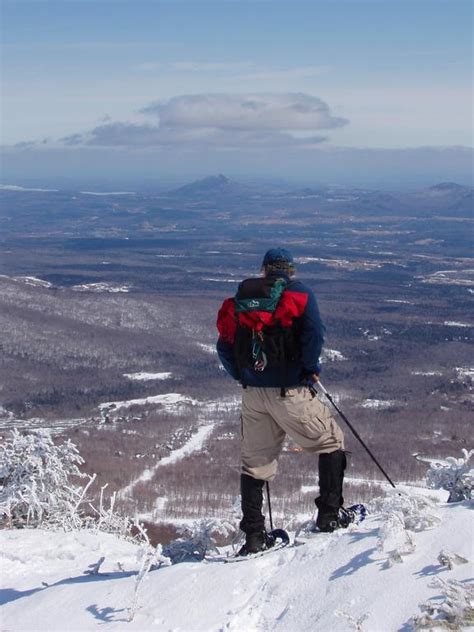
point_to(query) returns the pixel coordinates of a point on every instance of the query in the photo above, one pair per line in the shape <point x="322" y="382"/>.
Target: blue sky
<point x="210" y="84"/>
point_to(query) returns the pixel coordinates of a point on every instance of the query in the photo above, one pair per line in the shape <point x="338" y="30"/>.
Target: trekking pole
<point x="269" y="506"/>
<point x="353" y="430"/>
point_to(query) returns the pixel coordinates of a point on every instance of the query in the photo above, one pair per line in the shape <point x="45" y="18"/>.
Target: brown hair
<point x="279" y="266"/>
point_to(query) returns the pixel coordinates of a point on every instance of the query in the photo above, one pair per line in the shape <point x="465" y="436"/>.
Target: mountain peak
<point x="211" y="184"/>
<point x="447" y="186"/>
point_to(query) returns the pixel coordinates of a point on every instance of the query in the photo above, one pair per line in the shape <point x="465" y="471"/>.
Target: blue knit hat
<point x="277" y="255"/>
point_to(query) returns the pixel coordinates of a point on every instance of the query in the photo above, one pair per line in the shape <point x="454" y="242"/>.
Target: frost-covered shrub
<point x="454" y="475"/>
<point x="401" y="515"/>
<point x="394" y="539"/>
<point x="35" y="479"/>
<point x="150" y="558"/>
<point x="104" y="518"/>
<point x="37" y="487"/>
<point x="197" y="540"/>
<point x="450" y="560"/>
<point x="416" y="513"/>
<point x="454" y="612"/>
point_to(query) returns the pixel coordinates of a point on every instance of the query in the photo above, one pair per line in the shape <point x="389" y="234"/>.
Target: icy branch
<point x="454" y="475"/>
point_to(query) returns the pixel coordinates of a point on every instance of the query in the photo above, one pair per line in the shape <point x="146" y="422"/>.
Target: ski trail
<point x="192" y="445"/>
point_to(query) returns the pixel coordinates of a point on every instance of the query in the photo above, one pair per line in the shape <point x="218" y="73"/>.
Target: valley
<point x="107" y="329"/>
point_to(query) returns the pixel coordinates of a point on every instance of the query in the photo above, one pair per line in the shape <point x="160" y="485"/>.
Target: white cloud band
<point x="224" y="121"/>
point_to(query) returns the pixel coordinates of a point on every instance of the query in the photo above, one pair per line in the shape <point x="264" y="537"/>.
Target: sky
<point x="314" y="90"/>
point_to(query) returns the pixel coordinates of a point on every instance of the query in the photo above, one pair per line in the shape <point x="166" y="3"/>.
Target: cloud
<point x="293" y="111"/>
<point x="134" y="135"/>
<point x="72" y="139"/>
<point x="225" y="121"/>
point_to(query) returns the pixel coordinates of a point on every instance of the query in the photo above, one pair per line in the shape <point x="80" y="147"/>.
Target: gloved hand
<point x="313" y="378"/>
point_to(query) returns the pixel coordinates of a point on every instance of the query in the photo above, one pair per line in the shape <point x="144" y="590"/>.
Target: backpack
<point x="265" y="336"/>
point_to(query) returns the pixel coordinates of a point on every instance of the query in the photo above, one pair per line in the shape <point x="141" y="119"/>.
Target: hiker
<point x="270" y="340"/>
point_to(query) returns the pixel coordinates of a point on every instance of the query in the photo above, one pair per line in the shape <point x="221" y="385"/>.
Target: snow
<point x="208" y="348"/>
<point x="449" y="277"/>
<point x="220" y="280"/>
<point x="372" y="336"/>
<point x="317" y="586"/>
<point x="143" y="376"/>
<point x="57" y="426"/>
<point x="395" y="300"/>
<point x="173" y="402"/>
<point x="167" y="399"/>
<point x="465" y="374"/>
<point x="332" y="355"/>
<point x="426" y="373"/>
<point x="100" y="287"/>
<point x="29" y="280"/>
<point x="379" y="404"/>
<point x="340" y="263"/>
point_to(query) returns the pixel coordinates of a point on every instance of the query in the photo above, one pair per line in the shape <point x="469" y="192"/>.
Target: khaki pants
<point x="267" y="418"/>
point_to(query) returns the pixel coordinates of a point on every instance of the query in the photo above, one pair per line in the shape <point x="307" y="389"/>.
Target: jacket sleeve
<point x="225" y="351"/>
<point x="226" y="327"/>
<point x="312" y="336"/>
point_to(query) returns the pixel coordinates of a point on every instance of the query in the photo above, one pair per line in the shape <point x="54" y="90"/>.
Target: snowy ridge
<point x="338" y="581"/>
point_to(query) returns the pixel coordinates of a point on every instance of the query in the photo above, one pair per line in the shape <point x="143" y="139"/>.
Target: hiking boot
<point x="256" y="542"/>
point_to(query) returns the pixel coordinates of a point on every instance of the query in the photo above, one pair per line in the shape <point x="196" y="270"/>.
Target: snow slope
<point x="294" y="589"/>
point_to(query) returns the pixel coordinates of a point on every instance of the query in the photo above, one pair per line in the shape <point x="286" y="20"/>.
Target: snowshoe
<point x="346" y="516"/>
<point x="275" y="540"/>
<point x="353" y="514"/>
<point x="262" y="541"/>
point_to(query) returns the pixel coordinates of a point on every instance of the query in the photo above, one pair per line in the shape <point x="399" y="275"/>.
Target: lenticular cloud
<point x="225" y="121"/>
<point x="276" y="112"/>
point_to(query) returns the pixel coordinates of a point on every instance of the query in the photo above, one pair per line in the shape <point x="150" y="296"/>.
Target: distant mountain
<point x="213" y="186"/>
<point x="446" y="198"/>
<point x="447" y="187"/>
<point x="206" y="185"/>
